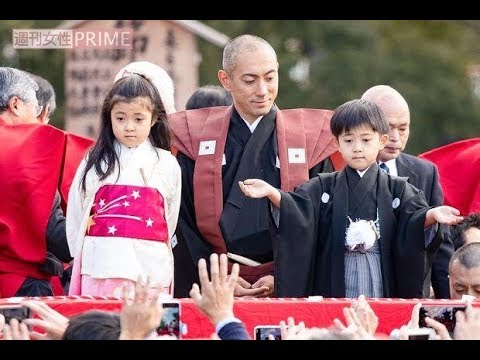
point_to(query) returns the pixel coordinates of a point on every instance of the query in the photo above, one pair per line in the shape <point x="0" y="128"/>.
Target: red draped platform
<point x="392" y="313"/>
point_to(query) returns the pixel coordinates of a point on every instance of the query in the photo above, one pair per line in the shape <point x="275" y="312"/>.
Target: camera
<point x="15" y="311"/>
<point x="261" y="332"/>
<point x="170" y="322"/>
<point x="442" y="314"/>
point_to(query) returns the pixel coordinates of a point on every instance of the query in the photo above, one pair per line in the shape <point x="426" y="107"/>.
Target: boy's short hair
<point x="357" y="113"/>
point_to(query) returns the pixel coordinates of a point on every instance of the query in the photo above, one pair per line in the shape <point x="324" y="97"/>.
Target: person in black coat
<point x="420" y="173"/>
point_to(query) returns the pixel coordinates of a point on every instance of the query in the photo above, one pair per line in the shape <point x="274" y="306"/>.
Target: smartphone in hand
<point x="170" y="322"/>
<point x="442" y="314"/>
<point x="261" y="332"/>
<point x="15" y="311"/>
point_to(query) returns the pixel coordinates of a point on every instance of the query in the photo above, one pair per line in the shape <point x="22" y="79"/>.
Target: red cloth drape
<point x="32" y="159"/>
<point x="459" y="168"/>
<point x="392" y="313"/>
<point x="75" y="149"/>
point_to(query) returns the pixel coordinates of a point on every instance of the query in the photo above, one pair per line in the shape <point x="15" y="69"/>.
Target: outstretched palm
<point x="255" y="188"/>
<point x="447" y="215"/>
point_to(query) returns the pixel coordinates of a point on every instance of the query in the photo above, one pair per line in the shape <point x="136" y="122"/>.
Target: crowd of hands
<point x="141" y="313"/>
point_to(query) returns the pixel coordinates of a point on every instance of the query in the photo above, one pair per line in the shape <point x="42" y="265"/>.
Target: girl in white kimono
<point x="124" y="200"/>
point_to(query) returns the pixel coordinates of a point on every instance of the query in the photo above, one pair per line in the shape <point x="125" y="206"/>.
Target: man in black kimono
<point x="219" y="146"/>
<point x="420" y="173"/>
<point x="356" y="232"/>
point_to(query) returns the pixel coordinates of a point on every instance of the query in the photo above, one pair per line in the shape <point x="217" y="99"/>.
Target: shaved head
<point x="464" y="271"/>
<point x="389" y="99"/>
<point x="243" y="44"/>
<point x="397" y="113"/>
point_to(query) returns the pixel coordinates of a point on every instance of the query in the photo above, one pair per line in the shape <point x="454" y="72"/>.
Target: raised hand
<point x="215" y="299"/>
<point x="468" y="324"/>
<point x="51" y="322"/>
<point x="365" y="314"/>
<point x="140" y="316"/>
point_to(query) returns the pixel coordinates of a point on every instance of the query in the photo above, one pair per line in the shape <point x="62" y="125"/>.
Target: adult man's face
<point x="463" y="281"/>
<point x="253" y="82"/>
<point x="399" y="121"/>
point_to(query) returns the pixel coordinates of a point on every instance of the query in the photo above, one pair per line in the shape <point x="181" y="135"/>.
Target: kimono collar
<point x="123" y="150"/>
<point x="142" y="154"/>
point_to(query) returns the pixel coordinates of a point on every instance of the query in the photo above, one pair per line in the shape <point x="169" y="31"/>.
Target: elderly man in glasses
<point x="32" y="225"/>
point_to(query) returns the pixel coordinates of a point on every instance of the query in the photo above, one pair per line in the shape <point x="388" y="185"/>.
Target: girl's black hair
<point x="102" y="155"/>
<point x="357" y="113"/>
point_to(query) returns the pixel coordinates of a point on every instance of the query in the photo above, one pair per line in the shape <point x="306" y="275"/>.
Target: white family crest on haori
<point x="361" y="234"/>
<point x="325" y="197"/>
<point x="395" y="203"/>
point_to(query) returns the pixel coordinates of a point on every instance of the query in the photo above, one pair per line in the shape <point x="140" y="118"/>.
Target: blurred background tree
<point x="324" y="63"/>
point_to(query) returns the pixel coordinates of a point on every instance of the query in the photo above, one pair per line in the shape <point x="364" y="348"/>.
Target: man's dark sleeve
<point x="56" y="234"/>
<point x="190" y="246"/>
<point x="233" y="331"/>
<point x="442" y="258"/>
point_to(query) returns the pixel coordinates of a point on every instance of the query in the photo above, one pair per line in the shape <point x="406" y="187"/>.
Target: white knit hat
<point x="157" y="76"/>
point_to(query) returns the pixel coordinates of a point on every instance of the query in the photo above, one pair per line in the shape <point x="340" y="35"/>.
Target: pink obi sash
<point x="128" y="211"/>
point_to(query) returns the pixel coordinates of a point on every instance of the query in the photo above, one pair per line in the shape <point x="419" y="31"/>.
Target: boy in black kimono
<point x="355" y="232"/>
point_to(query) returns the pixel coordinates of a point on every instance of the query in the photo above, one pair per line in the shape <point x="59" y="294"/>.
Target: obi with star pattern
<point x="128" y="211"/>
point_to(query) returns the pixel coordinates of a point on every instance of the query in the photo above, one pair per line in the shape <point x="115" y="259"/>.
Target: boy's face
<point x="360" y="146"/>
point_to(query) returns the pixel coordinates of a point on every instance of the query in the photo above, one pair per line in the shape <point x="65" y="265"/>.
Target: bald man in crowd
<point x="464" y="271"/>
<point x="421" y="174"/>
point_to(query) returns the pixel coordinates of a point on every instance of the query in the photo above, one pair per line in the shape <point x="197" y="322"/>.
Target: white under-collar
<point x="124" y="151"/>
<point x="361" y="173"/>
<point x="253" y="125"/>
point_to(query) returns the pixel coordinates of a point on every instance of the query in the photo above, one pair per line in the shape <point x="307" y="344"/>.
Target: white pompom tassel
<point x="361" y="232"/>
